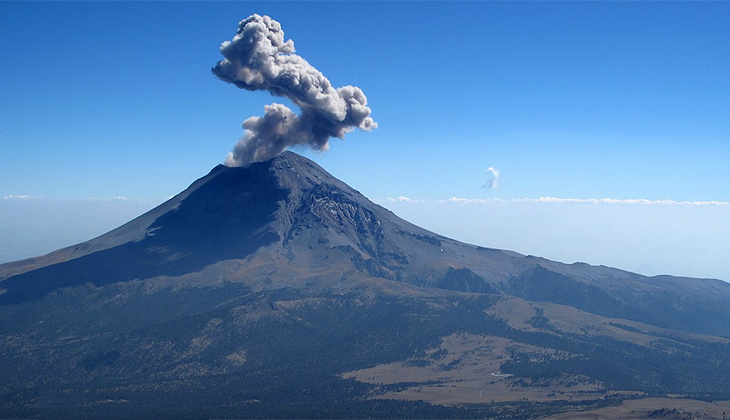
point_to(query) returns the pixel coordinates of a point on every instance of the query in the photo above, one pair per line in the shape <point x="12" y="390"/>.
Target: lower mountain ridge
<point x="277" y="291"/>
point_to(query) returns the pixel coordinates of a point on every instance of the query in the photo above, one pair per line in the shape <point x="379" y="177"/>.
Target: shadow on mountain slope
<point x="226" y="218"/>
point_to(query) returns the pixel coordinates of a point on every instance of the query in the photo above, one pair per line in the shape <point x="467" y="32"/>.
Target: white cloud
<point x="403" y="199"/>
<point x="92" y="199"/>
<point x="471" y="200"/>
<point x="557" y="200"/>
<point x="20" y="197"/>
<point x="493" y="181"/>
<point x="117" y="198"/>
<point x="643" y="201"/>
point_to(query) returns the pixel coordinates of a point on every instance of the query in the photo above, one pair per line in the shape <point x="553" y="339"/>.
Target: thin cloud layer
<point x="258" y="58"/>
<point x="403" y="199"/>
<point x="556" y="200"/>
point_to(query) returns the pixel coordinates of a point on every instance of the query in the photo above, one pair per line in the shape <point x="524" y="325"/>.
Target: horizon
<point x="571" y="131"/>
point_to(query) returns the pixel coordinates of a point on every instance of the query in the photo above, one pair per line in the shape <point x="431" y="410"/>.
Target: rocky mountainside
<point x="278" y="291"/>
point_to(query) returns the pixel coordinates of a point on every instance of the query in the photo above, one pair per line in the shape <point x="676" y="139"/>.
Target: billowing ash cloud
<point x="258" y="58"/>
<point x="493" y="181"/>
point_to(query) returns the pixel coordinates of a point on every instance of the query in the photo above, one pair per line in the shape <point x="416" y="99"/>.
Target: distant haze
<point x="649" y="238"/>
<point x="30" y="227"/>
<point x="634" y="237"/>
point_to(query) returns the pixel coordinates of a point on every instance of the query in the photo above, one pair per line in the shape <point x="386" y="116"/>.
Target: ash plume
<point x="258" y="58"/>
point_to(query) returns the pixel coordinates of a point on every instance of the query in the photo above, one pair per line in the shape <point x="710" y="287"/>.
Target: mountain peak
<point x="287" y="223"/>
<point x="287" y="214"/>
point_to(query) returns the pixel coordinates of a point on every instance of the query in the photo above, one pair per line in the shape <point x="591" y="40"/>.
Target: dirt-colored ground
<point x="653" y="408"/>
<point x="465" y="368"/>
<point x="519" y="313"/>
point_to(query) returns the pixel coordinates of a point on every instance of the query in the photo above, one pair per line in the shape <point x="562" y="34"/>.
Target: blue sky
<point x="568" y="100"/>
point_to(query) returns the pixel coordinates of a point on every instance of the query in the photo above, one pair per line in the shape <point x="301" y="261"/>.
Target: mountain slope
<point x="288" y="221"/>
<point x="278" y="291"/>
<point x="287" y="211"/>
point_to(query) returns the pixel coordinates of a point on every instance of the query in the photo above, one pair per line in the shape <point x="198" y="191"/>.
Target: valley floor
<point x="653" y="408"/>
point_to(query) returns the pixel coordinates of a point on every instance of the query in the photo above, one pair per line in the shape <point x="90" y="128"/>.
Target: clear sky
<point x="571" y="102"/>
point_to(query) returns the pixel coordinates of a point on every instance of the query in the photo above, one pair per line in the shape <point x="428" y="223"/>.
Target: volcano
<point x="277" y="291"/>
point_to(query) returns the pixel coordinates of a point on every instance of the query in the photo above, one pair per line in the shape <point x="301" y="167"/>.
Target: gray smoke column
<point x="258" y="58"/>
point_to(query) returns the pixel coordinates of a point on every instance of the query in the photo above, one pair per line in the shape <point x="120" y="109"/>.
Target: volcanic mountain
<point x="276" y="290"/>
